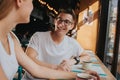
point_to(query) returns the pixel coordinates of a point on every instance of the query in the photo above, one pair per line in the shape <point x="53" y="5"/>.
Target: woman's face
<point x="25" y="11"/>
<point x="63" y="23"/>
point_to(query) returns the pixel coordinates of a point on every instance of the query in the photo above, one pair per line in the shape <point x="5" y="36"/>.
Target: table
<point x="96" y="61"/>
<point x="97" y="64"/>
<point x="109" y="75"/>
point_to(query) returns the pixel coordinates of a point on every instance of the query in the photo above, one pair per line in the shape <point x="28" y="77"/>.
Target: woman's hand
<point x="93" y="73"/>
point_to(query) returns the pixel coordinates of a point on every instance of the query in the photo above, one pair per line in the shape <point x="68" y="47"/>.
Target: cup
<point x="84" y="76"/>
<point x="86" y="65"/>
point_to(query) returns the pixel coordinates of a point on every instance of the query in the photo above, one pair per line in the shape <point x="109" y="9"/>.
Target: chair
<point x="19" y="75"/>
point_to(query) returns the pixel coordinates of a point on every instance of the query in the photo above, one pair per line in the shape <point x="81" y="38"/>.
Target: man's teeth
<point x="59" y="28"/>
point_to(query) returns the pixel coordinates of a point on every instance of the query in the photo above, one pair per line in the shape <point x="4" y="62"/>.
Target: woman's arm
<point x="2" y="74"/>
<point x="41" y="72"/>
<point x="35" y="69"/>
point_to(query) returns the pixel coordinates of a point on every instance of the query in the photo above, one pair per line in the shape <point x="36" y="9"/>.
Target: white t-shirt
<point x="52" y="53"/>
<point x="8" y="62"/>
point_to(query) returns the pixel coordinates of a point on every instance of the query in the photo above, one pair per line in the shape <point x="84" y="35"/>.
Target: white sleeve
<point x="77" y="48"/>
<point x="34" y="41"/>
<point x="80" y="49"/>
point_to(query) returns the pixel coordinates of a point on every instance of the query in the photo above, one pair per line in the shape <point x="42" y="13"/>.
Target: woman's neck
<point x="5" y="28"/>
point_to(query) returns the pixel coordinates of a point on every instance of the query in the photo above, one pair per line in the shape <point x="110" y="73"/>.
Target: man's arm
<point x="84" y="57"/>
<point x="33" y="54"/>
<point x="67" y="63"/>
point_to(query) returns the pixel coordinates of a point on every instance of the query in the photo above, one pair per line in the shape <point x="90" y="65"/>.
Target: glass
<point x="66" y="22"/>
<point x="110" y="35"/>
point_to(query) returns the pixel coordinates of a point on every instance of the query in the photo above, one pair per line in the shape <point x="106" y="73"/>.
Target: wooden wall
<point x="88" y="31"/>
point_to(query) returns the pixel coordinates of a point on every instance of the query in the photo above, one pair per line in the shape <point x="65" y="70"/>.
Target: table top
<point x="96" y="65"/>
<point x="109" y="75"/>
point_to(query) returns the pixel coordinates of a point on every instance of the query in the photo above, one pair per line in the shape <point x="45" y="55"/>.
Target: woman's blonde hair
<point x="5" y="7"/>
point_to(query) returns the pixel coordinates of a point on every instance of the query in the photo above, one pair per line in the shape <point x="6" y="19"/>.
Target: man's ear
<point x="72" y="26"/>
<point x="55" y="24"/>
<point x="19" y="2"/>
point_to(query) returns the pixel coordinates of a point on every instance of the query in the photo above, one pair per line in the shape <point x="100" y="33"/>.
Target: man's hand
<point x="66" y="65"/>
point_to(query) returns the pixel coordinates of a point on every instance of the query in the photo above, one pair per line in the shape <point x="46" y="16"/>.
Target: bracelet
<point x="77" y="59"/>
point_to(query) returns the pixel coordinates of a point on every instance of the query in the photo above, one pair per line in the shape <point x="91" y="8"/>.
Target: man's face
<point x="63" y="23"/>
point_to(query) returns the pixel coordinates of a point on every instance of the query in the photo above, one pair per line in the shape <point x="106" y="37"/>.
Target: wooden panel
<point x="87" y="33"/>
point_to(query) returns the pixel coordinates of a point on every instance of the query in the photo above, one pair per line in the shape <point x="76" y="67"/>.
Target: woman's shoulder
<point x="14" y="37"/>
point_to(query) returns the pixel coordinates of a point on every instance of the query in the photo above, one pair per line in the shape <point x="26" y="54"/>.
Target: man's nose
<point x="62" y="22"/>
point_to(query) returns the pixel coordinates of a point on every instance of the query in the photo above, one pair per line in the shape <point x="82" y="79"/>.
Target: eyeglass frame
<point x="66" y="22"/>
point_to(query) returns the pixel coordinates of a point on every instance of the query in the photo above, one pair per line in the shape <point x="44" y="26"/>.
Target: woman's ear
<point x="19" y="2"/>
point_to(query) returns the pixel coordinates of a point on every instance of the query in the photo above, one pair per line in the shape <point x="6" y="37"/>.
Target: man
<point x="54" y="49"/>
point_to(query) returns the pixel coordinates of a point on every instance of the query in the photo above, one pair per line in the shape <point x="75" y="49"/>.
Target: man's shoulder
<point x="70" y="38"/>
<point x="41" y="33"/>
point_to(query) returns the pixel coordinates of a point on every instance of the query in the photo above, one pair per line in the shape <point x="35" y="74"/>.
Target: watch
<point x="77" y="59"/>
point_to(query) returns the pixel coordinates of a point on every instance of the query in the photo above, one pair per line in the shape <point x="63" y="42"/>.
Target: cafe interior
<point x="97" y="31"/>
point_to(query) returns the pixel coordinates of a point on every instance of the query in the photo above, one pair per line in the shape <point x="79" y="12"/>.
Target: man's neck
<point x="56" y="38"/>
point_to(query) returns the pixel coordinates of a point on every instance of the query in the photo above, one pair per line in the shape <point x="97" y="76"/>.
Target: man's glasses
<point x="66" y="22"/>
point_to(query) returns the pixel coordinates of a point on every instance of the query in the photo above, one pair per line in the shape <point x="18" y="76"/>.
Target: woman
<point x="13" y="12"/>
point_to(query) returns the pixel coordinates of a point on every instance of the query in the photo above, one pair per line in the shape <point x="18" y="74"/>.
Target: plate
<point x="84" y="75"/>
